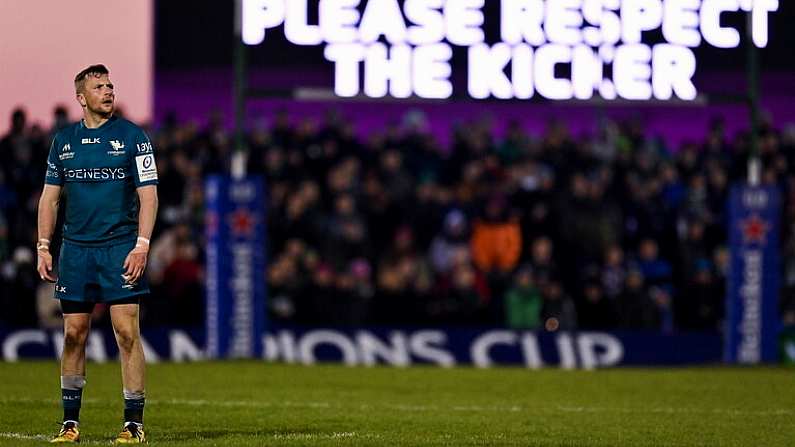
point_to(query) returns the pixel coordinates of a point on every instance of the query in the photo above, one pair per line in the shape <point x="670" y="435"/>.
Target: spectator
<point x="637" y="309"/>
<point x="394" y="229"/>
<point x="523" y="302"/>
<point x="558" y="311"/>
<point x="453" y="239"/>
<point x="595" y="310"/>
<point x="496" y="238"/>
<point x="613" y="272"/>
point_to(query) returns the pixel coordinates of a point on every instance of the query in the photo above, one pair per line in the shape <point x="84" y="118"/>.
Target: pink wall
<point x="44" y="43"/>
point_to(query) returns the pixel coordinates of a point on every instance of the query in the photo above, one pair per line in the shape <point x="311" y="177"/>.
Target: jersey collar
<point x="104" y="125"/>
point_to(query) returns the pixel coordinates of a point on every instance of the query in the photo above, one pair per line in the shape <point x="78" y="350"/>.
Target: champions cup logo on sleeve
<point x="400" y="49"/>
<point x="146" y="167"/>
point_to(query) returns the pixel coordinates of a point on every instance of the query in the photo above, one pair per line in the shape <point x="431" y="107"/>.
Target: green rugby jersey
<point x="100" y="170"/>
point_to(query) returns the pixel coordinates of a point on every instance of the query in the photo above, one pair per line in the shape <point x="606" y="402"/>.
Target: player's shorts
<point x="93" y="274"/>
<point x="86" y="307"/>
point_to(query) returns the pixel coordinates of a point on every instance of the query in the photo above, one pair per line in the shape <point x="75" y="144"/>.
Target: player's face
<point x="97" y="95"/>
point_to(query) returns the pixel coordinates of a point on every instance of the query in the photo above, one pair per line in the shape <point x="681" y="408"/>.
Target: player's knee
<point x="126" y="339"/>
<point x="75" y="336"/>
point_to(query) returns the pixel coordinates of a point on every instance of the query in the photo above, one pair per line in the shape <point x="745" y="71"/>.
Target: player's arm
<point x="48" y="208"/>
<point x="135" y="264"/>
<point x="48" y="213"/>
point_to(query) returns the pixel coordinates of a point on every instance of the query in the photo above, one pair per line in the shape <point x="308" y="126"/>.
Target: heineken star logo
<point x="754" y="230"/>
<point x="242" y="222"/>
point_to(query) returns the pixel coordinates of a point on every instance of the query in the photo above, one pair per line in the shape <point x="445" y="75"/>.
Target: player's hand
<point x="44" y="264"/>
<point x="135" y="263"/>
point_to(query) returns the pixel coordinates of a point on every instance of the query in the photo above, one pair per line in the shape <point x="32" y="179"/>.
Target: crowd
<point x="612" y="230"/>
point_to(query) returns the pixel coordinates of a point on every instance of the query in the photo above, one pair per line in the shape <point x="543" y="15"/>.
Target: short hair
<point x="93" y="70"/>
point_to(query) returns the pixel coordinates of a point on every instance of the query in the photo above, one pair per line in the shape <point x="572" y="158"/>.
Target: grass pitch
<point x="259" y="404"/>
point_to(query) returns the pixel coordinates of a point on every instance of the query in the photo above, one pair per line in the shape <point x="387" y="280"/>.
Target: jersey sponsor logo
<point x="90" y="141"/>
<point x="118" y="148"/>
<point x="144" y="148"/>
<point x="96" y="174"/>
<point x="60" y="289"/>
<point x="66" y="152"/>
<point x="146" y="167"/>
<point x="52" y="170"/>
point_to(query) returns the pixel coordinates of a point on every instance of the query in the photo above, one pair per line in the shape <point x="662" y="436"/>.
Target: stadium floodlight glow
<point x="399" y="49"/>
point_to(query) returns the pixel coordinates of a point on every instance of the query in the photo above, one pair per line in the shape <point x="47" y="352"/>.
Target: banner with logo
<point x="482" y="348"/>
<point x="752" y="320"/>
<point x="235" y="259"/>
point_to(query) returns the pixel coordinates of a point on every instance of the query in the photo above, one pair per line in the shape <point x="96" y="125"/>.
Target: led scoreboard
<point x="630" y="49"/>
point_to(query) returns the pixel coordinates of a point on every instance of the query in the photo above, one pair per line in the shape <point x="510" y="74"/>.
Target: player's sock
<point x="72" y="396"/>
<point x="134" y="406"/>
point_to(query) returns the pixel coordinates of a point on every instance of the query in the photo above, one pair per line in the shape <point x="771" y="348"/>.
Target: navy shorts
<point x="86" y="307"/>
<point x="93" y="274"/>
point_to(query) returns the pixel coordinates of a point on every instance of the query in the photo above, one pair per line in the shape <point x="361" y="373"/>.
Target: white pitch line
<point x="23" y="436"/>
<point x="11" y="435"/>
<point x="314" y="436"/>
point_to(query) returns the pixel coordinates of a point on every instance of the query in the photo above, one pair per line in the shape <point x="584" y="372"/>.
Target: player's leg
<point x="124" y="317"/>
<point x="77" y="323"/>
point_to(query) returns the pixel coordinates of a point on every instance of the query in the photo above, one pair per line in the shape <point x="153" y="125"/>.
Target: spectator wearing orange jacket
<point x="496" y="238"/>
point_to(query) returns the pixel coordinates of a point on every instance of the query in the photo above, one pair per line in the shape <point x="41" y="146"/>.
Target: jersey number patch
<point x="146" y="167"/>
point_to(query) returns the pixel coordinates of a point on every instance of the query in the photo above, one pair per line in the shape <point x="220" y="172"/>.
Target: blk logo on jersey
<point x="60" y="289"/>
<point x="90" y="141"/>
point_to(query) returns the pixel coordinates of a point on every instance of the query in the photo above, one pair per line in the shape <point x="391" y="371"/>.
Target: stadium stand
<point x="612" y="230"/>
